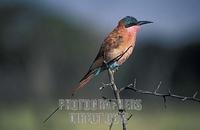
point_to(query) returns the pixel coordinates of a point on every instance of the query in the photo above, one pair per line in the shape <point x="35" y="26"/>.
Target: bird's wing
<point x="98" y="61"/>
<point x="112" y="41"/>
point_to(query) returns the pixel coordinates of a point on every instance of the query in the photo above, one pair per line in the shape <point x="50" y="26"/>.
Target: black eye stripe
<point x="130" y="24"/>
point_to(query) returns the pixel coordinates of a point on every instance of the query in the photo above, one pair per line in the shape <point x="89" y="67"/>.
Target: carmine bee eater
<point x="115" y="49"/>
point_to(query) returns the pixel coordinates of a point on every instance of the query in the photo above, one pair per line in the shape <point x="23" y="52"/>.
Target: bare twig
<point x="129" y="117"/>
<point x="132" y="87"/>
<point x="104" y="86"/>
<point x="112" y="121"/>
<point x="116" y="91"/>
<point x="164" y="96"/>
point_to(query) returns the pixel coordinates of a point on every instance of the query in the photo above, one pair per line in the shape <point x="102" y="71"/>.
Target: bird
<point x="115" y="49"/>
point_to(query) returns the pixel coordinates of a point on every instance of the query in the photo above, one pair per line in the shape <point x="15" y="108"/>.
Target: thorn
<point x="185" y="98"/>
<point x="104" y="97"/>
<point x="164" y="99"/>
<point x="121" y="110"/>
<point x="134" y="85"/>
<point x="110" y="100"/>
<point x="169" y="92"/>
<point x="195" y="94"/>
<point x="158" y="87"/>
<point x="130" y="85"/>
<point x="101" y="88"/>
<point x="129" y="117"/>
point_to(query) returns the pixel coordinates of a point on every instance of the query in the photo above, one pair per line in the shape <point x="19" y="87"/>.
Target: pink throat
<point x="133" y="29"/>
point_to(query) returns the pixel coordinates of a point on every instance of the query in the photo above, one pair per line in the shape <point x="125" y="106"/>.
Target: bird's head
<point x="130" y="21"/>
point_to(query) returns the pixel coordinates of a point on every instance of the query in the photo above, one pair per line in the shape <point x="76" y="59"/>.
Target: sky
<point x="172" y="18"/>
<point x="168" y="14"/>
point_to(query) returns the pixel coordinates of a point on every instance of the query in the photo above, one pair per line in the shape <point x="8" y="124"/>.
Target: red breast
<point x="129" y="38"/>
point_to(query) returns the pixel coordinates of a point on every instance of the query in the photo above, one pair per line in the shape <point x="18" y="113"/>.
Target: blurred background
<point x="47" y="46"/>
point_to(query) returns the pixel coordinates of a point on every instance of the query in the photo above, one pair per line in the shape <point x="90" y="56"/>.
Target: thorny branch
<point x="133" y="88"/>
<point x="163" y="95"/>
<point x="116" y="91"/>
<point x="112" y="121"/>
<point x="121" y="111"/>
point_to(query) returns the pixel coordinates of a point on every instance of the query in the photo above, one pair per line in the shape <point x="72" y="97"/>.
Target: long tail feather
<point x="83" y="82"/>
<point x="51" y="114"/>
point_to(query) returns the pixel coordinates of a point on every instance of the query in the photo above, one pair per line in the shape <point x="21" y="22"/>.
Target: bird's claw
<point x="115" y="70"/>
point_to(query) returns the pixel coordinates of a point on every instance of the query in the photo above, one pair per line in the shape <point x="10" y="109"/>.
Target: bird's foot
<point x="115" y="70"/>
<point x="106" y="64"/>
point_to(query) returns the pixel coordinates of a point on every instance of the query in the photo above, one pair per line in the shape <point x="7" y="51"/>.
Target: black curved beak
<point x="143" y="22"/>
